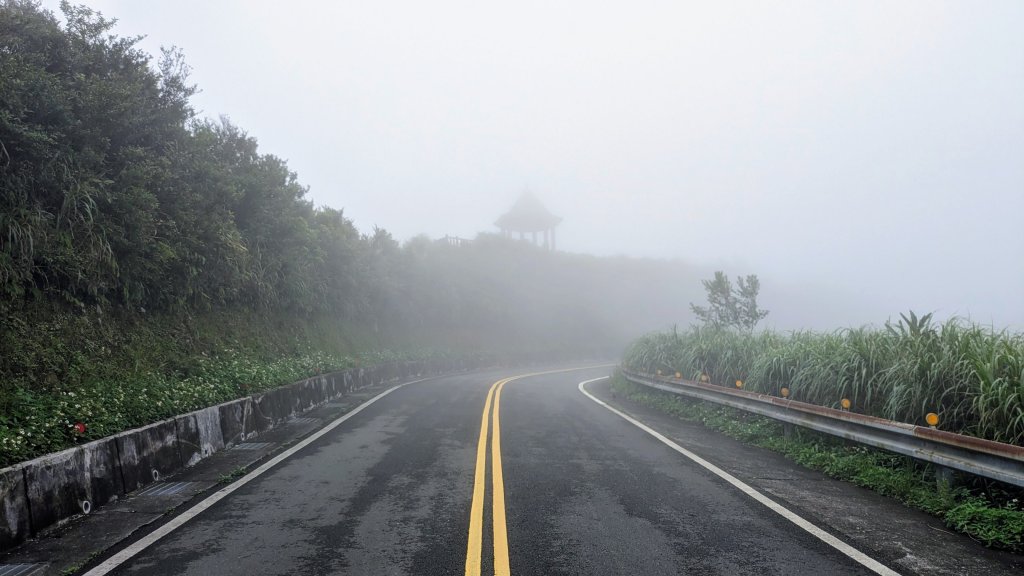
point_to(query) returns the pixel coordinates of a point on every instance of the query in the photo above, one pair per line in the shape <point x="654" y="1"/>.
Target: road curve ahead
<point x="487" y="473"/>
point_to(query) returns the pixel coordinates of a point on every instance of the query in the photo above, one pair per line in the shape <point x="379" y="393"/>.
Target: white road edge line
<point x="857" y="555"/>
<point x="175" y="523"/>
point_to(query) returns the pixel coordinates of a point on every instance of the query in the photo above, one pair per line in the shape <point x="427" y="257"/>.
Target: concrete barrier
<point x="236" y="421"/>
<point x="14" y="507"/>
<point x="198" y="435"/>
<point x="146" y="454"/>
<point x="42" y="492"/>
<point x="305" y="395"/>
<point x="72" y="482"/>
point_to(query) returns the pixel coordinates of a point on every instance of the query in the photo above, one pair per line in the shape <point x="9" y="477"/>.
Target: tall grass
<point x="972" y="376"/>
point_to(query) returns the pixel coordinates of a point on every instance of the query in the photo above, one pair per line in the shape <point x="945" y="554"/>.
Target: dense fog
<point x="862" y="158"/>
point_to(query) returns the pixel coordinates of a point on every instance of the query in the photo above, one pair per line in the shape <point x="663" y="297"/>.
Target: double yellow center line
<point x="476" y="516"/>
<point x="474" y="549"/>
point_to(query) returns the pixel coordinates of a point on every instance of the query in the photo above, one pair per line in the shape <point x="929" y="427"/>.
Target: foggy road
<point x="391" y="491"/>
<point x="230" y="234"/>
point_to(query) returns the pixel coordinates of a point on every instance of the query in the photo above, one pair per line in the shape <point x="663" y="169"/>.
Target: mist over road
<point x="430" y="480"/>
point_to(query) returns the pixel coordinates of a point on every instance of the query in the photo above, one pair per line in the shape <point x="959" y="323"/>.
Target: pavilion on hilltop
<point x="529" y="216"/>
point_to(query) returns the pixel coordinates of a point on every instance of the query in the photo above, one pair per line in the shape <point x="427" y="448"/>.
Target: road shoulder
<point x="83" y="540"/>
<point x="910" y="541"/>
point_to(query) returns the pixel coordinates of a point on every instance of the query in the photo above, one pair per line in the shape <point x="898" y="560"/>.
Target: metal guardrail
<point x="995" y="460"/>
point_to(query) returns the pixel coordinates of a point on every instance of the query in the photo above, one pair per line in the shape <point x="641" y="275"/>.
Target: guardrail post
<point x="944" y="478"/>
<point x="787" y="430"/>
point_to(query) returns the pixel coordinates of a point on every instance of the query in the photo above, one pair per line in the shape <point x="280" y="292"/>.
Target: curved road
<point x="391" y="491"/>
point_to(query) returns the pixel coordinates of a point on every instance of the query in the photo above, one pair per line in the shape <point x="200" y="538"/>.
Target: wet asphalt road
<point x="389" y="492"/>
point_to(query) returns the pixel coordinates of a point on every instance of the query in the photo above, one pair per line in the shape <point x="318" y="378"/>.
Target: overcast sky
<point x="873" y="149"/>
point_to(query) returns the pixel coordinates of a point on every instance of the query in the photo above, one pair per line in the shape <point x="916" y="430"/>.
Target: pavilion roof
<point x="528" y="214"/>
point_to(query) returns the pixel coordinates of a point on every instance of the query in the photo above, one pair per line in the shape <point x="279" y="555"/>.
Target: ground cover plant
<point x="50" y="422"/>
<point x="154" y="261"/>
<point x="971" y="376"/>
<point x="988" y="512"/>
<point x="73" y="377"/>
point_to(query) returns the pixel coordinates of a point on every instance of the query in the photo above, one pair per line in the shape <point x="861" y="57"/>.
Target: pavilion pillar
<point x="552" y="238"/>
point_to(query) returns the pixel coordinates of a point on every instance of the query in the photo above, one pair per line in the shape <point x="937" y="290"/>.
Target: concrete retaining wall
<point x="42" y="492"/>
<point x="147" y="454"/>
<point x="13" y="507"/>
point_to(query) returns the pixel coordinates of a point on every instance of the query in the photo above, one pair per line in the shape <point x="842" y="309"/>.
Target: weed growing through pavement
<point x="233" y="475"/>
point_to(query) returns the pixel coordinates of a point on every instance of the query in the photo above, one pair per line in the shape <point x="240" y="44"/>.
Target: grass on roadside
<point x="67" y="379"/>
<point x="77" y="567"/>
<point x="235" y="474"/>
<point x="47" y="421"/>
<point x="971" y="375"/>
<point x="990" y="514"/>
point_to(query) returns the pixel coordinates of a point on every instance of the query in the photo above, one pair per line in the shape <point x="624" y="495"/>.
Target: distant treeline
<point x="117" y="197"/>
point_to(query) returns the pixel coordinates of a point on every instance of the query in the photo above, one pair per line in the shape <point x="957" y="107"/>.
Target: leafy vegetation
<point x="131" y="373"/>
<point x="730" y="306"/>
<point x="990" y="514"/>
<point x="115" y="193"/>
<point x="153" y="262"/>
<point x="971" y="376"/>
<point x="235" y="474"/>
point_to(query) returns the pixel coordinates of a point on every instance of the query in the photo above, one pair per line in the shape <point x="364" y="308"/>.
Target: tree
<point x="746" y="299"/>
<point x="729" y="306"/>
